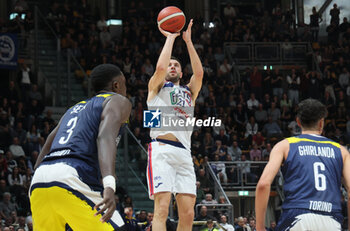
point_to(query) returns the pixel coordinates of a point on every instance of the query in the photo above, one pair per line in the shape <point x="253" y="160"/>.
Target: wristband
<point x="109" y="181"/>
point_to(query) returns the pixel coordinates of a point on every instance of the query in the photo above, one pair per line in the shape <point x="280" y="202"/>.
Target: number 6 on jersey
<point x="320" y="179"/>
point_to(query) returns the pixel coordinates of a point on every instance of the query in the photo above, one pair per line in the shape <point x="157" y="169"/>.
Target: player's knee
<point x="161" y="212"/>
<point x="187" y="215"/>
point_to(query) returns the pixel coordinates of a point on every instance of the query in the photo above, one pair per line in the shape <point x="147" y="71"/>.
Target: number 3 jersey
<point x="312" y="174"/>
<point x="76" y="136"/>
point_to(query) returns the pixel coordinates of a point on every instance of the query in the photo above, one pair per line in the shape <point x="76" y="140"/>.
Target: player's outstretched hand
<point x="109" y="205"/>
<point x="167" y="33"/>
<point x="186" y="35"/>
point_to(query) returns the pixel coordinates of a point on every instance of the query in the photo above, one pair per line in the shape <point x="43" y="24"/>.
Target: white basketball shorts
<point x="170" y="169"/>
<point x="306" y="220"/>
<point x="317" y="222"/>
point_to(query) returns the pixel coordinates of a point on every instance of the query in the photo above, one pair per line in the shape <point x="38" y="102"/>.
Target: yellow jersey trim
<point x="297" y="140"/>
<point x="104" y="95"/>
<point x="81" y="102"/>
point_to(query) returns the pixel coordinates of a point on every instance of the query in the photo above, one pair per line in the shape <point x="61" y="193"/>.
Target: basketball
<point x="171" y="19"/>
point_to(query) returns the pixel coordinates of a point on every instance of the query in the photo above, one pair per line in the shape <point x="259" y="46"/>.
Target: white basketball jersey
<point x="175" y="98"/>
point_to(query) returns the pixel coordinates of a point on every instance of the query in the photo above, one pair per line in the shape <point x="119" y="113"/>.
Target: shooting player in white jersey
<point x="170" y="167"/>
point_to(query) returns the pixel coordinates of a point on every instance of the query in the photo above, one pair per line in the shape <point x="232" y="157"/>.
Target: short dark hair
<point x="102" y="74"/>
<point x="310" y="112"/>
<point x="175" y="58"/>
<point x="210" y="221"/>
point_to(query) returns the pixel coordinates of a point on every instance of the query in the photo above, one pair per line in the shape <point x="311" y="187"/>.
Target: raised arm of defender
<point x="158" y="78"/>
<point x="197" y="77"/>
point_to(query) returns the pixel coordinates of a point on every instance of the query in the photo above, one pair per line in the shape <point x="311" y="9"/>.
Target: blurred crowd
<point x="256" y="112"/>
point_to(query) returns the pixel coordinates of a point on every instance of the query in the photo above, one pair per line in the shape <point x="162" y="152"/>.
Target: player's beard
<point x="173" y="79"/>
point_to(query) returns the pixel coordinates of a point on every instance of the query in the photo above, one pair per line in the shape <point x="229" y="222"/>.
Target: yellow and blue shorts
<point x="65" y="192"/>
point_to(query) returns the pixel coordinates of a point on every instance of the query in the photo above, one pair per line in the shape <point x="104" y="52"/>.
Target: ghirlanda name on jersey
<point x="310" y="150"/>
<point x="209" y="122"/>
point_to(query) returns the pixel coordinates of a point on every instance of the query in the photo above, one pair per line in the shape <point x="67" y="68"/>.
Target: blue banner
<point x="8" y="51"/>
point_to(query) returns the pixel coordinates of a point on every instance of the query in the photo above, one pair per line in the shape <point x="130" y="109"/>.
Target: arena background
<point x="260" y="59"/>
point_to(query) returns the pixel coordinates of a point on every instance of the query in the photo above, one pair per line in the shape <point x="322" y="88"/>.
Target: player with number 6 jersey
<point x="312" y="167"/>
<point x="74" y="181"/>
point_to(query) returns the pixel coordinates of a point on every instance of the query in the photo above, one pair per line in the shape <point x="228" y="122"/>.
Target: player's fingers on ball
<point x="161" y="30"/>
<point x="190" y="24"/>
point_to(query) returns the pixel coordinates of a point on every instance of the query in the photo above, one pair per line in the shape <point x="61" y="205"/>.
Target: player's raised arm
<point x="346" y="174"/>
<point x="158" y="78"/>
<point x="262" y="192"/>
<point x="47" y="145"/>
<point x="116" y="111"/>
<point x="197" y="77"/>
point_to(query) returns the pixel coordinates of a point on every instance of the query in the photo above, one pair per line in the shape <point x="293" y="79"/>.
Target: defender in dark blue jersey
<point x="75" y="171"/>
<point x="312" y="167"/>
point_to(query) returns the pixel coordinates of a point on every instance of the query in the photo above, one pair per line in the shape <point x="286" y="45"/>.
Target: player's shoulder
<point x="283" y="143"/>
<point x="344" y="151"/>
<point x="117" y="99"/>
<point x="281" y="147"/>
<point x="117" y="105"/>
<point x="292" y="139"/>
